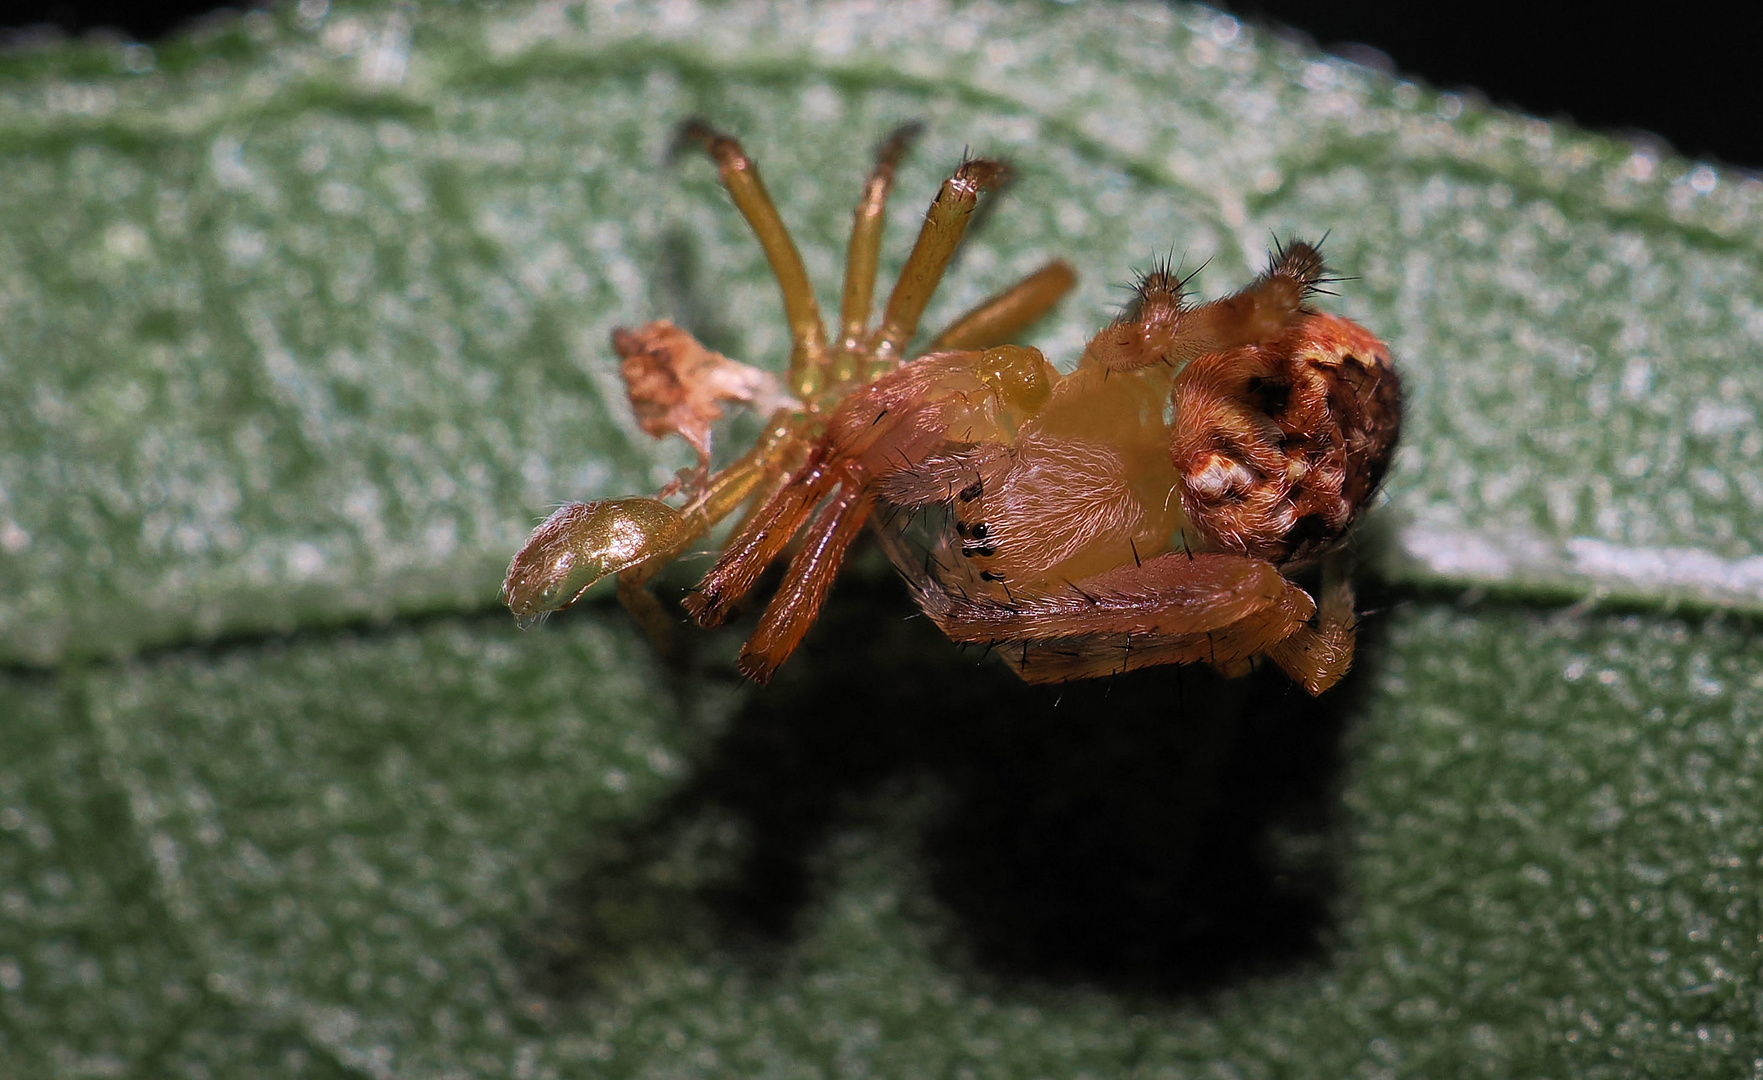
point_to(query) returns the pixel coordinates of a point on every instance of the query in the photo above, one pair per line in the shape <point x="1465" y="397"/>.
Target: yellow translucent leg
<point x="650" y="613"/>
<point x="864" y="251"/>
<point x="761" y="470"/>
<point x="999" y="319"/>
<point x="937" y="240"/>
<point x="741" y="177"/>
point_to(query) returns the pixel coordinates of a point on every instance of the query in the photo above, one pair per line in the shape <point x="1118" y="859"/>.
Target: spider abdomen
<point x="1278" y="446"/>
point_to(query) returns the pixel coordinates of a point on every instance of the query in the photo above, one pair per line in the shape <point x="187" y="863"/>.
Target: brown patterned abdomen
<point x="1278" y="446"/>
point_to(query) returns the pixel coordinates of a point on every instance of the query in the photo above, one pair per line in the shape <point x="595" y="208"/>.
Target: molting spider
<point x="1145" y="509"/>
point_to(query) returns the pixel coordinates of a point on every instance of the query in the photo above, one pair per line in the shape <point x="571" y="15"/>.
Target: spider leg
<point x="759" y="472"/>
<point x="864" y="251"/>
<point x="1212" y="608"/>
<point x="773" y="458"/>
<point x="1316" y="658"/>
<point x="943" y="227"/>
<point x="998" y="319"/>
<point x="647" y="609"/>
<point x="884" y="427"/>
<point x="741" y="177"/>
<point x="805" y="584"/>
<point x="762" y="538"/>
<point x="1169" y="595"/>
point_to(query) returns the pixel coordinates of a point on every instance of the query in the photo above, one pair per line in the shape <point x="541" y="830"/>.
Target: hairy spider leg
<point x="1316" y="657"/>
<point x="764" y="536"/>
<point x="1170" y="595"/>
<point x="873" y="435"/>
<point x="806" y="583"/>
<point x="999" y="318"/>
<point x="1209" y="608"/>
<point x="944" y="225"/>
<point x="1161" y="329"/>
<point x="741" y="177"/>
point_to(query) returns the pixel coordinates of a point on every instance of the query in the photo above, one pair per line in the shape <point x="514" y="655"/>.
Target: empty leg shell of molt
<point x="582" y="543"/>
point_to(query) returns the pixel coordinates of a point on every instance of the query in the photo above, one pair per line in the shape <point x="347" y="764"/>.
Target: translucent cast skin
<point x="1144" y="509"/>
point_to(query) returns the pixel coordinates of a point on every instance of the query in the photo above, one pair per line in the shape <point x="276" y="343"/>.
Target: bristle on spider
<point x="1301" y="261"/>
<point x="977" y="174"/>
<point x="1159" y="293"/>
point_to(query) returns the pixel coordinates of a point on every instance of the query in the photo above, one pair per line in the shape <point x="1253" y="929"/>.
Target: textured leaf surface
<point x="304" y="322"/>
<point x="96" y="979"/>
<point x="405" y="845"/>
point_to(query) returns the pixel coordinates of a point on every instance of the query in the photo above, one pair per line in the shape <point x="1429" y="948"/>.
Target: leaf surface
<point x="305" y="323"/>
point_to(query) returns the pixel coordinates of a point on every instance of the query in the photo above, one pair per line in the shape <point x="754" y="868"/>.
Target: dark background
<point x="1681" y="75"/>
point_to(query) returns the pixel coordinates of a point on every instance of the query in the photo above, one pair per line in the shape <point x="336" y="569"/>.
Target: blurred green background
<point x="304" y="324"/>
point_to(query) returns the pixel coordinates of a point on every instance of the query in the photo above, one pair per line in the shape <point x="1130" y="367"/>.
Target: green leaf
<point x="431" y="850"/>
<point x="305" y="322"/>
<point x="96" y="978"/>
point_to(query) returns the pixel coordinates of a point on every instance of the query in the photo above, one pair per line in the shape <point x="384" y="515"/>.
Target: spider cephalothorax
<point x="1144" y="509"/>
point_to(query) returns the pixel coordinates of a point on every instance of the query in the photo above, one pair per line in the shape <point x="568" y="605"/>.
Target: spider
<point x="1147" y="508"/>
